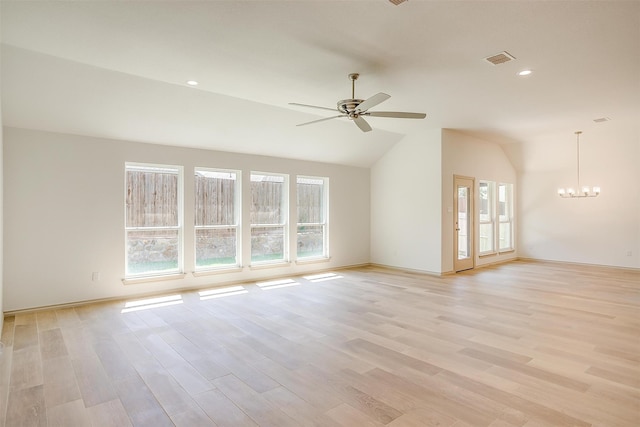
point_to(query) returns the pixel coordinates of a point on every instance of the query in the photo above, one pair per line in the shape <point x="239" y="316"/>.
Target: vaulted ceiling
<point x="118" y="69"/>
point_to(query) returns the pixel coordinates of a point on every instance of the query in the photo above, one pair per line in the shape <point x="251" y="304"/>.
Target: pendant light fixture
<point x="579" y="191"/>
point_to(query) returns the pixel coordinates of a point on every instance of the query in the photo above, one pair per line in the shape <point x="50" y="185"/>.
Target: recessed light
<point x="525" y="72"/>
<point x="192" y="83"/>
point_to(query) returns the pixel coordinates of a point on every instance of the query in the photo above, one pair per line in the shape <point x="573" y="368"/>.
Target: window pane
<point x="152" y="197"/>
<point x="310" y="241"/>
<point x="152" y="251"/>
<point x="485" y="202"/>
<point x="215" y="195"/>
<point x="486" y="237"/>
<point x="310" y="200"/>
<point x="267" y="243"/>
<point x="505" y="235"/>
<point x="503" y="202"/>
<point x="464" y="241"/>
<point x="267" y="199"/>
<point x="216" y="247"/>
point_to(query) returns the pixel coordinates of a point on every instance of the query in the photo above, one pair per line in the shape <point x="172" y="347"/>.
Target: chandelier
<point x="579" y="191"/>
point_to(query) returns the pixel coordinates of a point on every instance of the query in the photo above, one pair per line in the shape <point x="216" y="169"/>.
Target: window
<point x="505" y="217"/>
<point x="153" y="223"/>
<point x="487" y="217"/>
<point x="269" y="217"/>
<point x="217" y="202"/>
<point x="495" y="217"/>
<point x="312" y="217"/>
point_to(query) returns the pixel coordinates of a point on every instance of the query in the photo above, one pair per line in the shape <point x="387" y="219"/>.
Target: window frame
<point x="325" y="218"/>
<point x="179" y="227"/>
<point x="284" y="224"/>
<point x="237" y="200"/>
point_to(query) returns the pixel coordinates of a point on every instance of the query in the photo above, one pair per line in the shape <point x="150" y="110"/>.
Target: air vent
<point x="602" y="120"/>
<point x="397" y="2"/>
<point x="499" y="58"/>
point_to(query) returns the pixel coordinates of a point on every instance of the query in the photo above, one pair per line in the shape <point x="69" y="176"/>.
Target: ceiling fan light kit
<point x="578" y="192"/>
<point x="354" y="109"/>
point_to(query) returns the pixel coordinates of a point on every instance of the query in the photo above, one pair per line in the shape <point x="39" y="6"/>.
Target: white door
<point x="463" y="223"/>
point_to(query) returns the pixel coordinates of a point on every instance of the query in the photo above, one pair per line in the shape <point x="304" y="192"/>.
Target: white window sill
<point x="221" y="270"/>
<point x="147" y="279"/>
<point x="270" y="265"/>
<point x="487" y="254"/>
<point x="313" y="260"/>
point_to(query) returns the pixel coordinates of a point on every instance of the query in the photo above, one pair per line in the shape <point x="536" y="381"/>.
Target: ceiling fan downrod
<point x="353" y="77"/>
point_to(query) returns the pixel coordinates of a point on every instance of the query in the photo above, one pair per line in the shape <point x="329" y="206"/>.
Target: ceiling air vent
<point x="499" y="58"/>
<point x="397" y="2"/>
<point x="602" y="119"/>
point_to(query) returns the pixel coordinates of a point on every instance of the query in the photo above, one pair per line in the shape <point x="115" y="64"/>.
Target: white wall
<point x="64" y="215"/>
<point x="465" y="155"/>
<point x="1" y="205"/>
<point x="604" y="230"/>
<point x="405" y="204"/>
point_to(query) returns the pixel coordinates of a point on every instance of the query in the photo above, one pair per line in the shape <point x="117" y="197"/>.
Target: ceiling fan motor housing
<point x="348" y="106"/>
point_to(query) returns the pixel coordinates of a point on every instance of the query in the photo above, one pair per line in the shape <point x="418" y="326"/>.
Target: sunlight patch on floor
<point x="222" y="292"/>
<point x="323" y="277"/>
<point x="276" y="284"/>
<point x="148" y="303"/>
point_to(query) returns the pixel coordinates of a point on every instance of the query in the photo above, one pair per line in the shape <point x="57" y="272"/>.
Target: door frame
<point x="469" y="262"/>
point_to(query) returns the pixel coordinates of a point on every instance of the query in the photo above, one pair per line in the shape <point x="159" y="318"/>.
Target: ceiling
<point x="118" y="69"/>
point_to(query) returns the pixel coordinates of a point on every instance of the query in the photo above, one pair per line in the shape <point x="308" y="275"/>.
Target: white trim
<point x="268" y="264"/>
<point x="312" y="260"/>
<point x="217" y="270"/>
<point x="158" y="278"/>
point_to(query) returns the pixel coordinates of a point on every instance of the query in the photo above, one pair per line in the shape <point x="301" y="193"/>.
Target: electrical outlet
<point x="629" y="253"/>
<point x="95" y="276"/>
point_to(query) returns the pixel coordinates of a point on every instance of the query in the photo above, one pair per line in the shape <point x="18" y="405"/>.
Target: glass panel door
<point x="463" y="224"/>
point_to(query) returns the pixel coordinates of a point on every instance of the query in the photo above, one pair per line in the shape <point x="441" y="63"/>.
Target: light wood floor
<point x="520" y="344"/>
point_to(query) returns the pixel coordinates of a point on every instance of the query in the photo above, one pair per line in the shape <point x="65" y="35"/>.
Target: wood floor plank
<point x="52" y="344"/>
<point x="222" y="410"/>
<point x="141" y="405"/>
<point x="46" y="320"/>
<point x="193" y="417"/>
<point x="25" y="336"/>
<point x="348" y="416"/>
<point x="26" y="368"/>
<point x="520" y="344"/>
<point x="526" y="369"/>
<point x="95" y="386"/>
<point x="172" y="397"/>
<point x="252" y="403"/>
<point x="68" y="414"/>
<point x="422" y="418"/>
<point x="60" y="385"/>
<point x="297" y="408"/>
<point x="190" y="379"/>
<point x="109" y="414"/>
<point x="26" y="407"/>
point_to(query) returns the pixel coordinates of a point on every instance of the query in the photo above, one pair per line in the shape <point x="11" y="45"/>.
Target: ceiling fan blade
<point x="396" y="114"/>
<point x="321" y="120"/>
<point x="373" y="101"/>
<point x="362" y="124"/>
<point x="313" y="106"/>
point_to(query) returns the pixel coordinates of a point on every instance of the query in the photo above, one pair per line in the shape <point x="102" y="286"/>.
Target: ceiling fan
<point x="355" y="109"/>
